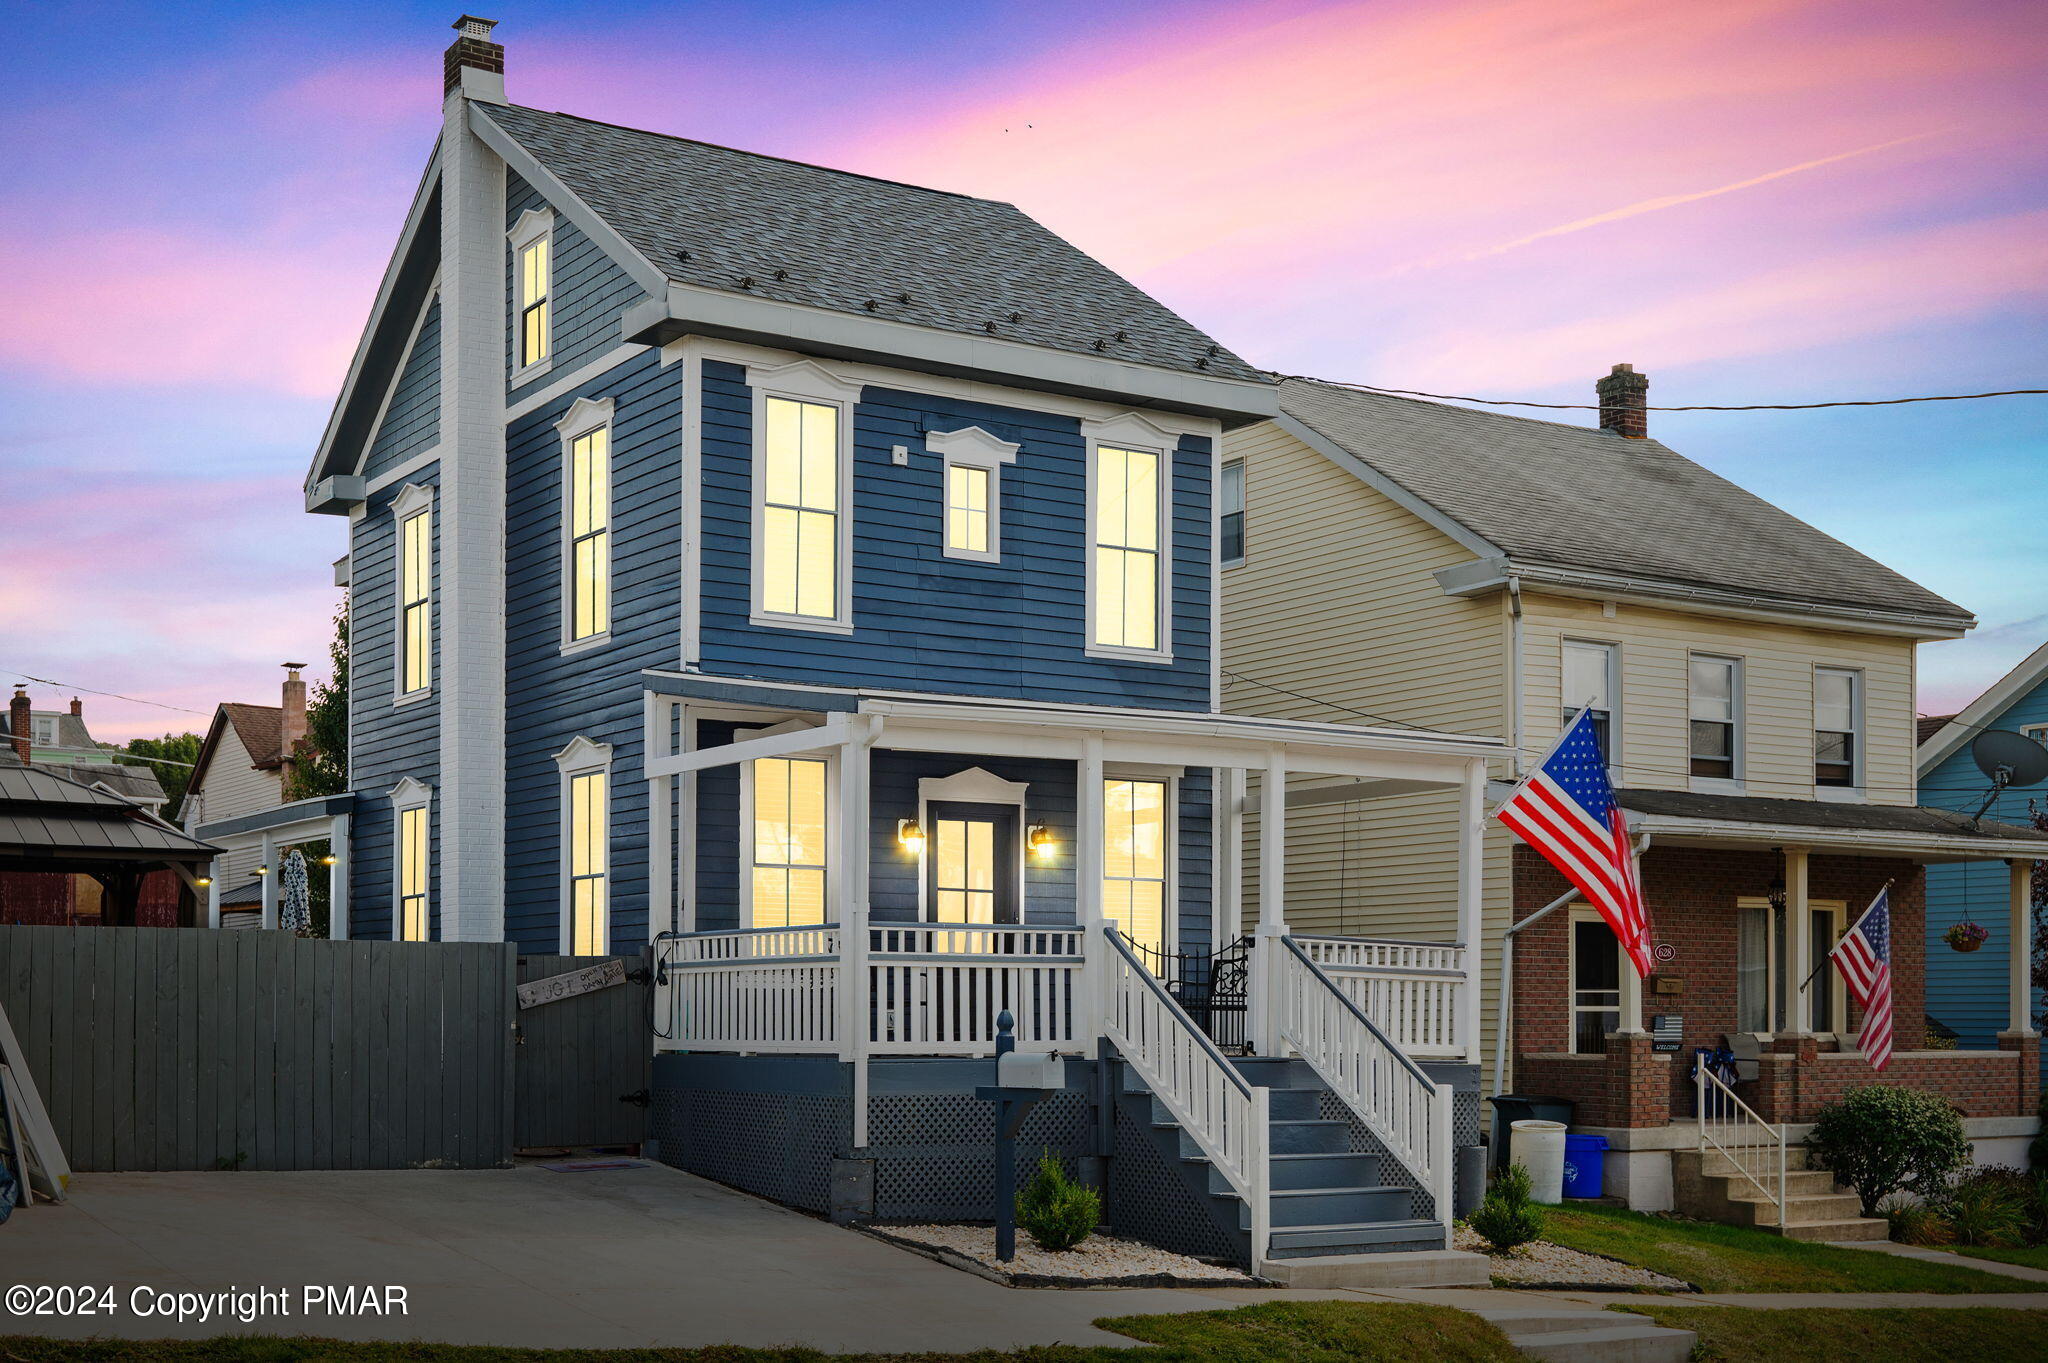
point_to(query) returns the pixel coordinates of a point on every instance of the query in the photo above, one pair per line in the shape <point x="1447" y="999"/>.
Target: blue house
<point x="811" y="580"/>
<point x="1976" y="993"/>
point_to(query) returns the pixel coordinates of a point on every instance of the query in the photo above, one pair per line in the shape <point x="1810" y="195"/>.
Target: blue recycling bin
<point x="1585" y="1159"/>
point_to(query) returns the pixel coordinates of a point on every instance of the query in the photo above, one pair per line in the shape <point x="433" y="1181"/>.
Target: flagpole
<point x="1827" y="957"/>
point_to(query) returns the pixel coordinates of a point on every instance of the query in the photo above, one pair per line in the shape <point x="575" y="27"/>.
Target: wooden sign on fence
<point x="555" y="988"/>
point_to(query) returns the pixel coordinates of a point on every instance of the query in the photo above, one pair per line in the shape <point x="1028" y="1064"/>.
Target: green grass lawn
<point x="1716" y="1258"/>
<point x="2032" y="1256"/>
<point x="1729" y="1334"/>
<point x="1271" y="1332"/>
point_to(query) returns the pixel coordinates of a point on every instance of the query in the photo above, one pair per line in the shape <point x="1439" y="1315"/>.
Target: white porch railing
<point x="1730" y="1128"/>
<point x="1388" y="1092"/>
<point x="1413" y="991"/>
<point x="761" y="989"/>
<point x="1225" y="1113"/>
<point x="936" y="988"/>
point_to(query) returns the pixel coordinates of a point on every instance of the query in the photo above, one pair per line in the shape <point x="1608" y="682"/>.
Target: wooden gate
<point x="582" y="1061"/>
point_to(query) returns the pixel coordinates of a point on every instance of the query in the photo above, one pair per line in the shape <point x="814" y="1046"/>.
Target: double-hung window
<point x="967" y="510"/>
<point x="788" y="883"/>
<point x="801" y="511"/>
<point x="412" y="849"/>
<point x="1127" y="549"/>
<point x="1134" y="861"/>
<point x="2037" y="732"/>
<point x="533" y="290"/>
<point x="1837" y="727"/>
<point x="1232" y="513"/>
<point x="972" y="521"/>
<point x="587" y="521"/>
<point x="414" y="509"/>
<point x="586" y="847"/>
<point x="1590" y="683"/>
<point x="1715" y="707"/>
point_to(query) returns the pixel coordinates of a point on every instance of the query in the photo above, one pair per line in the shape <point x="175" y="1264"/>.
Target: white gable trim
<point x="971" y="445"/>
<point x="805" y="379"/>
<point x="1983" y="711"/>
<point x="1387" y="487"/>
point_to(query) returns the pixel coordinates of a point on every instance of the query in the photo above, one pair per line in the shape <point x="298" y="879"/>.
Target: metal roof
<point x="1584" y="498"/>
<point x="855" y="244"/>
<point x="42" y="813"/>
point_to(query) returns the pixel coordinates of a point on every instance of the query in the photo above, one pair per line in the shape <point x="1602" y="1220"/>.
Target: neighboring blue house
<point x="1969" y="992"/>
<point x="815" y="577"/>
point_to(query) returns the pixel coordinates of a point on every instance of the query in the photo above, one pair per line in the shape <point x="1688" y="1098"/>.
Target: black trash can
<point x="1509" y="1108"/>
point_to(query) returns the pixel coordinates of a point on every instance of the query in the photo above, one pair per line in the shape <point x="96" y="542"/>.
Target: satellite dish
<point x="2010" y="759"/>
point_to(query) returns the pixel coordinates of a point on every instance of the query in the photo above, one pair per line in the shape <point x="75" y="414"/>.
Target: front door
<point x="971" y="863"/>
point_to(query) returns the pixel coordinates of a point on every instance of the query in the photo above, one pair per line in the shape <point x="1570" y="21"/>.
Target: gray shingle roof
<point x="846" y="240"/>
<point x="1819" y="814"/>
<point x="1580" y="497"/>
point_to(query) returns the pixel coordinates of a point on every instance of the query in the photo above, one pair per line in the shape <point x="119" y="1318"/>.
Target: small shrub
<point x="1916" y="1223"/>
<point x="1988" y="1207"/>
<point x="1882" y="1140"/>
<point x="1057" y="1212"/>
<point x="1506" y="1217"/>
<point x="2034" y="1199"/>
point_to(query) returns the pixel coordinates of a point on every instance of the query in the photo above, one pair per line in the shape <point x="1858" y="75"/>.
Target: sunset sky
<point x="1753" y="202"/>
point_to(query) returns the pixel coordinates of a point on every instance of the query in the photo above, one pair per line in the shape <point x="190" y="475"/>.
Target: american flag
<point x="1565" y="809"/>
<point x="1865" y="959"/>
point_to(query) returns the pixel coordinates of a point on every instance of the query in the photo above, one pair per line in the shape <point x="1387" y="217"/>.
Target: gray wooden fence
<point x="161" y="1048"/>
<point x="578" y="1058"/>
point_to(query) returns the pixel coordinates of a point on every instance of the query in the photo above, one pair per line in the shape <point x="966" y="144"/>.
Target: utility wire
<point x="111" y="695"/>
<point x="1698" y="407"/>
<point x="1333" y="705"/>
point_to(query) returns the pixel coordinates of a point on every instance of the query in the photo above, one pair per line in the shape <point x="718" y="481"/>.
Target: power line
<point x="1697" y="407"/>
<point x="1333" y="705"/>
<point x="111" y="695"/>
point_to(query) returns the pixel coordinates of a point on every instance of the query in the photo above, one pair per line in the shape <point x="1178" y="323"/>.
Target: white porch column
<point x="337" y="880"/>
<point x="1262" y="1007"/>
<point x="1097" y="977"/>
<point x="852" y="839"/>
<point x="213" y="874"/>
<point x="1229" y="857"/>
<point x="269" y="881"/>
<point x="1798" y="946"/>
<point x="1472" y="899"/>
<point x="2019" y="953"/>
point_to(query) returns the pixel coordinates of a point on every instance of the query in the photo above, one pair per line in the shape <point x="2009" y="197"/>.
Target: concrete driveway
<point x="641" y="1256"/>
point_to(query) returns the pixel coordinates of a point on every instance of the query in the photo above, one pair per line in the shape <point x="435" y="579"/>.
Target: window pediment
<point x="803" y="379"/>
<point x="583" y="755"/>
<point x="971" y="445"/>
<point x="585" y="415"/>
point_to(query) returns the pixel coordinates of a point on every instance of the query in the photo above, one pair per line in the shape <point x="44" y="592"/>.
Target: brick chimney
<point x="77" y="708"/>
<point x="292" y="726"/>
<point x="473" y="51"/>
<point x="1624" y="402"/>
<point x="19" y="726"/>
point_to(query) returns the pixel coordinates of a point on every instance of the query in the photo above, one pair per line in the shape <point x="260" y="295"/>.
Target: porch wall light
<point x="1041" y="840"/>
<point x="911" y="834"/>
<point x="327" y="861"/>
<point x="262" y="870"/>
<point x="202" y="881"/>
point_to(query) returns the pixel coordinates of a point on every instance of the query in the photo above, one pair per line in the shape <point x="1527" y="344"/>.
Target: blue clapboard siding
<point x="1968" y="990"/>
<point x="387" y="742"/>
<point x="925" y="622"/>
<point x="412" y="420"/>
<point x="893" y="873"/>
<point x="552" y="697"/>
<point x="589" y="292"/>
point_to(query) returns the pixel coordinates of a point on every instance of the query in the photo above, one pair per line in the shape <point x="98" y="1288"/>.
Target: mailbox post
<point x="1022" y="1082"/>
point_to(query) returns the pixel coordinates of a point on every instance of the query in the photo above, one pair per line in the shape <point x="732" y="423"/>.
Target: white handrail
<point x="1225" y="1113"/>
<point x="1381" y="953"/>
<point x="1732" y="1129"/>
<point x="768" y="990"/>
<point x="1389" y="1093"/>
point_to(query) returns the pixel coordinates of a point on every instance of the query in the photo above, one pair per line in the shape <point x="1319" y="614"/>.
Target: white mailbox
<point x="1016" y="1070"/>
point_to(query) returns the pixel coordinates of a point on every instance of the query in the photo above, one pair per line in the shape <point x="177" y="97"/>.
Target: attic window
<point x="533" y="271"/>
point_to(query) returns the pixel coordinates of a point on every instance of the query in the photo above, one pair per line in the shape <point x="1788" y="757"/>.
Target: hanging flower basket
<point x="1966" y="936"/>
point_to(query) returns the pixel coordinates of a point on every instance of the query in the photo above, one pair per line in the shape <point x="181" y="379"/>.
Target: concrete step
<point x="1713" y="1163"/>
<point x="1852" y="1228"/>
<point x="1800" y="1210"/>
<point x="1596" y="1337"/>
<point x="1401" y="1268"/>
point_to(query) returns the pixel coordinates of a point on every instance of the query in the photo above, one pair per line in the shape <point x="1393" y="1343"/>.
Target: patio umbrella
<point x="295" y="903"/>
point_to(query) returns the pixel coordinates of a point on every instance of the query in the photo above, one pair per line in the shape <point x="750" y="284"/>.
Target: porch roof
<point x="1922" y="834"/>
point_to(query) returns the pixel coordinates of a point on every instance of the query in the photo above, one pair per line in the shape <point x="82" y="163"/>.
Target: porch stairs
<point x="1331" y="1202"/>
<point x="1709" y="1187"/>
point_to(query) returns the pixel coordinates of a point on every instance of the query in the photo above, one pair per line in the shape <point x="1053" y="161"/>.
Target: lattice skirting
<point x="775" y="1145"/>
<point x="934" y="1153"/>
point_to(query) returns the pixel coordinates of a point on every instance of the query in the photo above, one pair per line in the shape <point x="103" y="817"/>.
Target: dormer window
<point x="533" y="288"/>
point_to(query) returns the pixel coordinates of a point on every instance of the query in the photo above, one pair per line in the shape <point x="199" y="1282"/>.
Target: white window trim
<point x="972" y="447"/>
<point x="410" y="793"/>
<point x="1244" y="482"/>
<point x="2037" y="732"/>
<point x="1169" y="921"/>
<point x="1569" y="706"/>
<point x="413" y="499"/>
<point x="1131" y="431"/>
<point x="1581" y="912"/>
<point x="803" y="381"/>
<point x="1738" y="742"/>
<point x="1856" y="793"/>
<point x="973" y="785"/>
<point x="584" y="416"/>
<point x="835" y="842"/>
<point x="533" y="224"/>
<point x="583" y="757"/>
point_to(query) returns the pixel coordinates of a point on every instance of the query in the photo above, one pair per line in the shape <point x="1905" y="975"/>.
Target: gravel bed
<point x="1098" y="1261"/>
<point x="1542" y="1264"/>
